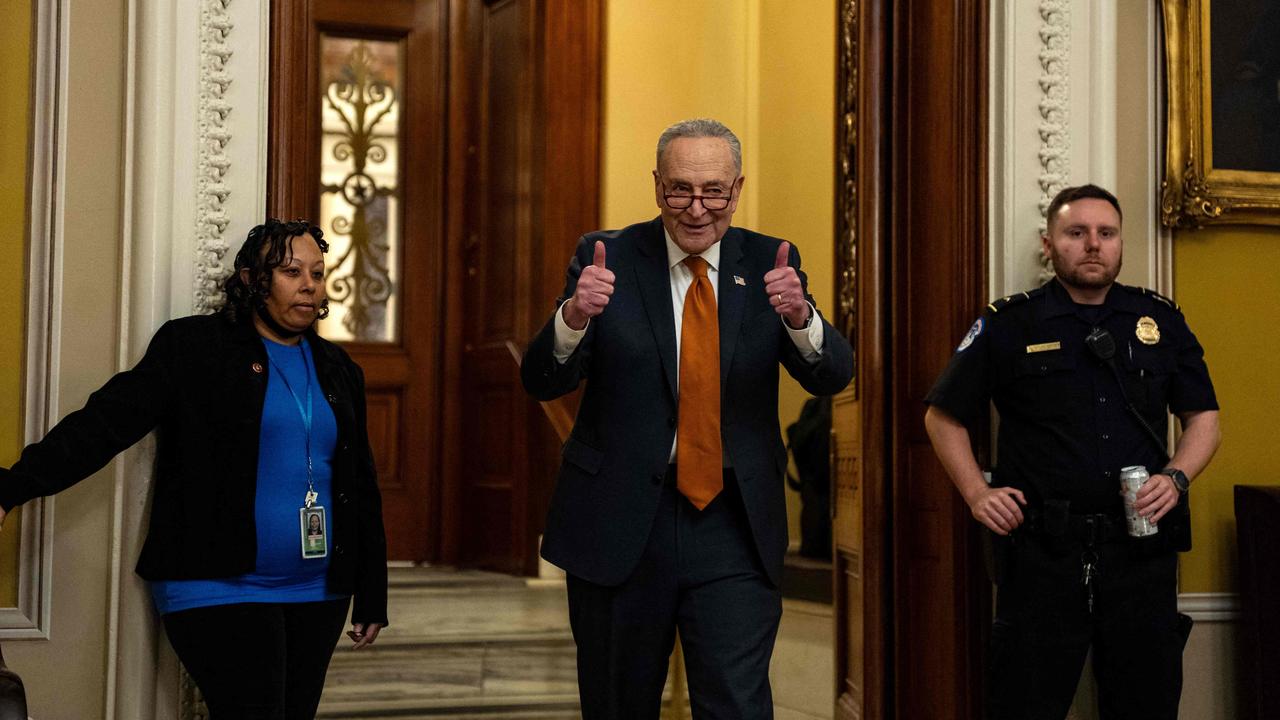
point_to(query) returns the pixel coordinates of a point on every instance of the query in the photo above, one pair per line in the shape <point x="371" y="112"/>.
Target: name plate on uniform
<point x="1044" y="347"/>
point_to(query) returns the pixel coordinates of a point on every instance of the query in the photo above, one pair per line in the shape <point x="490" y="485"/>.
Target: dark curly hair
<point x="244" y="298"/>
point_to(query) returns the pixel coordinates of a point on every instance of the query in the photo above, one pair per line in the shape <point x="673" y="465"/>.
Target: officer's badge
<point x="1148" y="332"/>
<point x="972" y="335"/>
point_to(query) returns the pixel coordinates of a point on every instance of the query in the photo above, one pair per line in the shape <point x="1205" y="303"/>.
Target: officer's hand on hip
<point x="590" y="298"/>
<point x="1156" y="497"/>
<point x="786" y="294"/>
<point x="998" y="508"/>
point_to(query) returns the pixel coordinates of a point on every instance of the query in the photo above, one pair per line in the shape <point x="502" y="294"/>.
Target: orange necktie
<point x="699" y="459"/>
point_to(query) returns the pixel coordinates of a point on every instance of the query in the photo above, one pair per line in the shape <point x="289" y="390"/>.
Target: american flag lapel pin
<point x="738" y="280"/>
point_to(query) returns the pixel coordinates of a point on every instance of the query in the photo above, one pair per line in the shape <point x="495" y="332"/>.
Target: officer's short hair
<point x="1079" y="192"/>
<point x="700" y="128"/>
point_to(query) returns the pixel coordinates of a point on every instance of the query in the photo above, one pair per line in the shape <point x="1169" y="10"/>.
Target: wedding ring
<point x="779" y="296"/>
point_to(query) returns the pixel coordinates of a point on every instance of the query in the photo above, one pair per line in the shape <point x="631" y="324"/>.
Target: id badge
<point x="315" y="529"/>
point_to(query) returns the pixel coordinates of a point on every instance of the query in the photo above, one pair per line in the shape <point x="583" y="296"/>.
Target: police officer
<point x="1083" y="372"/>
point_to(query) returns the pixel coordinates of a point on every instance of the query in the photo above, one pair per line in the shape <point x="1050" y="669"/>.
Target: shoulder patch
<point x="972" y="335"/>
<point x="1153" y="295"/>
<point x="1010" y="300"/>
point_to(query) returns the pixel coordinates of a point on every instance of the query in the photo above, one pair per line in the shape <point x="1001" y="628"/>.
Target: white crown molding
<point x="212" y="192"/>
<point x="1210" y="607"/>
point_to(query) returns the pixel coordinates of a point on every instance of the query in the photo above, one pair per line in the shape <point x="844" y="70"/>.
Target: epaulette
<point x="1151" y="294"/>
<point x="1010" y="300"/>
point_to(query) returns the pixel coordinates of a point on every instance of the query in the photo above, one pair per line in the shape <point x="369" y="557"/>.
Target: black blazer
<point x="201" y="385"/>
<point x="614" y="460"/>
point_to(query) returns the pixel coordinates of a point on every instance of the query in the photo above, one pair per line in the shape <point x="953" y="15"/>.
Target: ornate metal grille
<point x="359" y="185"/>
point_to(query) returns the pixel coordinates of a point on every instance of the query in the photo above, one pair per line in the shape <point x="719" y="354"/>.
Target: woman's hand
<point x="363" y="635"/>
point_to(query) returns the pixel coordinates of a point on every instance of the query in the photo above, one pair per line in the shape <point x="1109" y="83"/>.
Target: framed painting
<point x="1223" y="122"/>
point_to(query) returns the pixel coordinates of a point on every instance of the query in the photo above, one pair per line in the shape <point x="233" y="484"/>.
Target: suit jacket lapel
<point x="654" y="279"/>
<point x="732" y="298"/>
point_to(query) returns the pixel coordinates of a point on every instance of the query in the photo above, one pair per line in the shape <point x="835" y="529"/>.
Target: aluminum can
<point x="1132" y="478"/>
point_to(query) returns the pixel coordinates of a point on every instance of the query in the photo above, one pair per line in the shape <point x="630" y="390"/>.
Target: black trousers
<point x="1043" y="630"/>
<point x="699" y="573"/>
<point x="258" y="661"/>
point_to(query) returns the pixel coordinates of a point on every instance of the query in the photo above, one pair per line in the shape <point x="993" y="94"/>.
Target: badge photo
<point x="314" y="529"/>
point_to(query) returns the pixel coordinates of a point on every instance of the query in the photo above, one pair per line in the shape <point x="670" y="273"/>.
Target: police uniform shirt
<point x="1064" y="429"/>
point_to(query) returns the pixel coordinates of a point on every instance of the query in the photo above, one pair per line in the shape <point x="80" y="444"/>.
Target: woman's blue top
<point x="281" y="575"/>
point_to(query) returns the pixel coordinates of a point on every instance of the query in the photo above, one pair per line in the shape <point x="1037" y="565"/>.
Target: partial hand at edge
<point x="997" y="508"/>
<point x="2" y="514"/>
<point x="591" y="296"/>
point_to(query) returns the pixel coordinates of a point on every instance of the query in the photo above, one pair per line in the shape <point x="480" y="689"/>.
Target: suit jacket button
<point x="337" y="549"/>
<point x="342" y="498"/>
<point x="657" y="479"/>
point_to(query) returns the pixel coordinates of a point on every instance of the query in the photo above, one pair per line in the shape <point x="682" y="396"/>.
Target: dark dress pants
<point x="699" y="573"/>
<point x="1043" y="630"/>
<point x="258" y="661"/>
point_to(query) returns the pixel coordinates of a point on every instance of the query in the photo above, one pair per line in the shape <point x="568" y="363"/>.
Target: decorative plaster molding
<point x="1054" y="105"/>
<point x="212" y="191"/>
<point x="1210" y="607"/>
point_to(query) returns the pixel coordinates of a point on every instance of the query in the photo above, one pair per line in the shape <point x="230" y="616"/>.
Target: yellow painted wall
<point x="766" y="68"/>
<point x="796" y="178"/>
<point x="665" y="61"/>
<point x="1227" y="281"/>
<point x="15" y="70"/>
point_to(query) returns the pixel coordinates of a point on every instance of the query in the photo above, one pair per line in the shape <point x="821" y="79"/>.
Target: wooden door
<point x="912" y="598"/>
<point x="466" y="111"/>
<point x="357" y="145"/>
<point x="524" y="114"/>
<point x="497" y="41"/>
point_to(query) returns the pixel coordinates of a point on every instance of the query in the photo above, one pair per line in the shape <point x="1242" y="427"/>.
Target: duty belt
<point x="1090" y="529"/>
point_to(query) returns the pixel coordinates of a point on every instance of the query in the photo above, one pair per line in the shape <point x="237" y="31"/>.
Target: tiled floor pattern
<point x="468" y="645"/>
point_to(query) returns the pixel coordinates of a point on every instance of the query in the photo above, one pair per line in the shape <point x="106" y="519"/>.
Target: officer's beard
<point x="1085" y="280"/>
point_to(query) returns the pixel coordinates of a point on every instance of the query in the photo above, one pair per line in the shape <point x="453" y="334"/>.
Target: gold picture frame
<point x="1239" y="181"/>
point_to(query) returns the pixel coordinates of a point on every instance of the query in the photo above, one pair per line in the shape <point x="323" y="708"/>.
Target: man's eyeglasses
<point x="683" y="199"/>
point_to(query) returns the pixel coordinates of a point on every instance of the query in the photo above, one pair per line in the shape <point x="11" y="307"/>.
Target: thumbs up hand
<point x="591" y="296"/>
<point x="786" y="294"/>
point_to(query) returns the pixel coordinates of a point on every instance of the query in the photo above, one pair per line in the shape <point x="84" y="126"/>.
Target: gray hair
<point x="700" y="128"/>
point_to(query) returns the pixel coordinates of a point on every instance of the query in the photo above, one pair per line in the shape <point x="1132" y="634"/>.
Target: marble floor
<point x="480" y="646"/>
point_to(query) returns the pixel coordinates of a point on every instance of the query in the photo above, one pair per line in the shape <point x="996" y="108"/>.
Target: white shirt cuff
<point x="567" y="338"/>
<point x="807" y="340"/>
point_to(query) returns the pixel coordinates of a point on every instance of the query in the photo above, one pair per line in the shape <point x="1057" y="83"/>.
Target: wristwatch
<point x="1179" y="478"/>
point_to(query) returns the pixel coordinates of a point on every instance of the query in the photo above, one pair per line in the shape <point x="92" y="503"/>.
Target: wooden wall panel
<point x="937" y="285"/>
<point x="862" y="525"/>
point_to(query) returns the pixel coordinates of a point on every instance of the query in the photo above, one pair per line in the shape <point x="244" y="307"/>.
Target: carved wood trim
<point x="847" y="174"/>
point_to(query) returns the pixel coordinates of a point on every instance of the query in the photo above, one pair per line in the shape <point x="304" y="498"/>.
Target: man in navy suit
<point x="669" y="511"/>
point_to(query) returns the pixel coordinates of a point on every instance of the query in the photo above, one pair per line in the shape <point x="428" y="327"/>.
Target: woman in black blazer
<point x="260" y="426"/>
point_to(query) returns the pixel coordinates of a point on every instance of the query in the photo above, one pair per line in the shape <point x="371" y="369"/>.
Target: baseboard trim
<point x="1210" y="606"/>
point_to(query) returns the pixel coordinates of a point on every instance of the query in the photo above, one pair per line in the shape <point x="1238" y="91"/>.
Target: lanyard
<point x="304" y="410"/>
